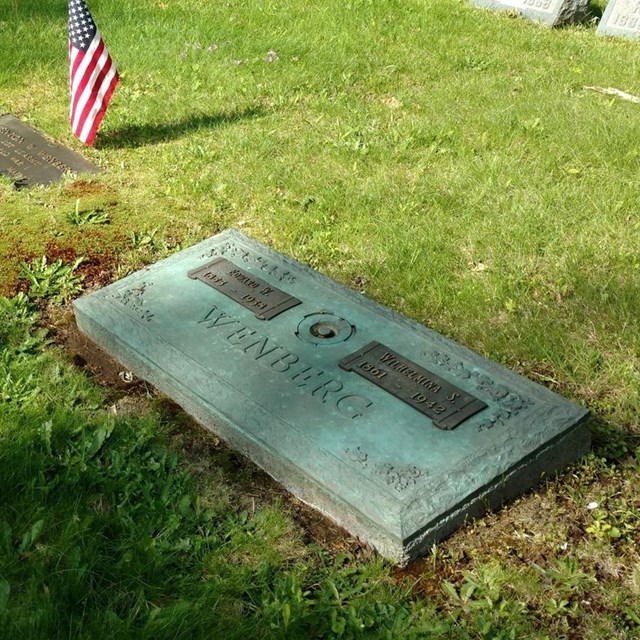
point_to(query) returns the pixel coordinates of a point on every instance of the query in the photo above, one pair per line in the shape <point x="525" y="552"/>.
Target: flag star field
<point x="82" y="28"/>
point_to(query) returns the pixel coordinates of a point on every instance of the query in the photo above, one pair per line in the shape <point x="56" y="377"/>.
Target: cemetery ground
<point x="447" y="162"/>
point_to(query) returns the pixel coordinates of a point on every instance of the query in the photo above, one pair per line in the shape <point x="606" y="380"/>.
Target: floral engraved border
<point x="232" y="250"/>
<point x="133" y="298"/>
<point x="399" y="478"/>
<point x="510" y="403"/>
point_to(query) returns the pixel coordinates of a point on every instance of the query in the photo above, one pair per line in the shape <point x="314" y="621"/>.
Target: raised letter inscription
<point x="443" y="402"/>
<point x="265" y="300"/>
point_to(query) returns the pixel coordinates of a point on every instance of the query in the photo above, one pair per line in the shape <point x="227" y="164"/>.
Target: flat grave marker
<point x="620" y="18"/>
<point x="29" y="158"/>
<point x="394" y="431"/>
<point x="550" y="12"/>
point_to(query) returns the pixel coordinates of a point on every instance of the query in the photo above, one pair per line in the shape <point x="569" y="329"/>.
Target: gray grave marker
<point x="29" y="158"/>
<point x="393" y="430"/>
<point x="620" y="18"/>
<point x="550" y="12"/>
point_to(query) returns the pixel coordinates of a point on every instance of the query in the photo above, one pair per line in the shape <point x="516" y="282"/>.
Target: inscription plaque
<point x="550" y="12"/>
<point x="443" y="402"/>
<point x="362" y="448"/>
<point x="29" y="158"/>
<point x="620" y="18"/>
<point x="265" y="300"/>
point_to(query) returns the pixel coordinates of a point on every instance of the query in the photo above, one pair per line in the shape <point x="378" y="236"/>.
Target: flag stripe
<point x="99" y="106"/>
<point x="85" y="106"/>
<point x="92" y="74"/>
<point x="89" y="85"/>
<point x="94" y="93"/>
<point x="84" y="61"/>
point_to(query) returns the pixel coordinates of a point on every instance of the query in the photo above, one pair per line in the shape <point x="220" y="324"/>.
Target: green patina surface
<point x="399" y="445"/>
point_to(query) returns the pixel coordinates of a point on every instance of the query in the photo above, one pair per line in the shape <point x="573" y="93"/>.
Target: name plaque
<point x="444" y="403"/>
<point x="264" y="299"/>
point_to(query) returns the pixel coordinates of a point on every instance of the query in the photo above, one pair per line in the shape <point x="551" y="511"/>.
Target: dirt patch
<point x="11" y="268"/>
<point x="95" y="270"/>
<point x="325" y="532"/>
<point x="54" y="251"/>
<point x="96" y="363"/>
<point x="86" y="188"/>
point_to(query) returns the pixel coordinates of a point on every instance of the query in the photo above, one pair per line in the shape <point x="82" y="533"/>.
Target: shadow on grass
<point x="34" y="9"/>
<point x="612" y="441"/>
<point x="594" y="13"/>
<point x="152" y="133"/>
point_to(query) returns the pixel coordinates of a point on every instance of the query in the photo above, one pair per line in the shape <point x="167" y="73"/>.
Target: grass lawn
<point x="444" y="160"/>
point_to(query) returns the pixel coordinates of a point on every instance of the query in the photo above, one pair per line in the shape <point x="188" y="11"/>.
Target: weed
<point x="567" y="576"/>
<point x="17" y="317"/>
<point x="16" y="389"/>
<point x="620" y="520"/>
<point x="55" y="281"/>
<point x="146" y="239"/>
<point x="153" y="242"/>
<point x="561" y="608"/>
<point x="87" y="216"/>
<point x="147" y="245"/>
<point x="484" y="598"/>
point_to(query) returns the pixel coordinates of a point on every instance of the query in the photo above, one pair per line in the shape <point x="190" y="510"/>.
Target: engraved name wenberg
<point x="269" y="353"/>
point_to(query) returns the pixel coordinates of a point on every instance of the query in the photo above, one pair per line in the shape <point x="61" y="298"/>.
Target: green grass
<point x="448" y="162"/>
<point x="399" y="145"/>
<point x="104" y="534"/>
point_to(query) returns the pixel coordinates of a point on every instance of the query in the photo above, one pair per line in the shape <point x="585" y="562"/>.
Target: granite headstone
<point x="620" y="18"/>
<point x="396" y="432"/>
<point x="550" y="12"/>
<point x="29" y="158"/>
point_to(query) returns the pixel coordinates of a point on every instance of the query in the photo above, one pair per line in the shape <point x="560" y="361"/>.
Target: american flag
<point x="93" y="76"/>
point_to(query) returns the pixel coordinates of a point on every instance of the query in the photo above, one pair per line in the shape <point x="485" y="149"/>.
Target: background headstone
<point x="391" y="429"/>
<point x="620" y="18"/>
<point x="550" y="12"/>
<point x="29" y="158"/>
